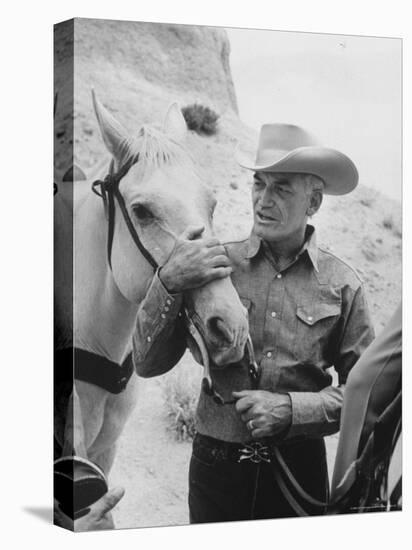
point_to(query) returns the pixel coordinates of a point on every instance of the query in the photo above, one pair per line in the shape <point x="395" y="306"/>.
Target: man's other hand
<point x="194" y="262"/>
<point x="265" y="414"/>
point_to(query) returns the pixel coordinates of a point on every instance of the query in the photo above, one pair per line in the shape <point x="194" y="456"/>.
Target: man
<point x="307" y="312"/>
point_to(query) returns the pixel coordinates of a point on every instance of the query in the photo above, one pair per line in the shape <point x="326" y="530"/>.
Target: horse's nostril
<point x="219" y="330"/>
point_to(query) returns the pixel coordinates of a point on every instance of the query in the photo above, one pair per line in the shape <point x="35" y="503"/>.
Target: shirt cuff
<point x="159" y="305"/>
<point x="307" y="414"/>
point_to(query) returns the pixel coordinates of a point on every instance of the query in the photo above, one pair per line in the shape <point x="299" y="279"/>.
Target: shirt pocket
<point x="315" y="322"/>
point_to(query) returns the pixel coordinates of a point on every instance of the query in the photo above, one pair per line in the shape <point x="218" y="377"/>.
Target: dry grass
<point x="181" y="391"/>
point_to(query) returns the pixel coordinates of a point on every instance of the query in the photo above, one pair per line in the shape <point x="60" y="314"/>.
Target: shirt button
<point x="273" y="313"/>
<point x="269" y="354"/>
<point x="163" y="316"/>
<point x="279" y="276"/>
<point x="166" y="308"/>
<point x="168" y="302"/>
<point x="148" y="339"/>
<point x="310" y="318"/>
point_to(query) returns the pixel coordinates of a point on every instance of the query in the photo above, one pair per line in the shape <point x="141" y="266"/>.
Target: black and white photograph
<point x="227" y="274"/>
<point x="205" y="235"/>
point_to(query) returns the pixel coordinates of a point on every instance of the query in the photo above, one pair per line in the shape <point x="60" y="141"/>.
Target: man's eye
<point x="258" y="184"/>
<point x="142" y="213"/>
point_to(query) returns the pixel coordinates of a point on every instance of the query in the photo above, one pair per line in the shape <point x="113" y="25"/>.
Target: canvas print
<point x="227" y="267"/>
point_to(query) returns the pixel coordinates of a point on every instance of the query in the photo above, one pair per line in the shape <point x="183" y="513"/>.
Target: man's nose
<point x="266" y="199"/>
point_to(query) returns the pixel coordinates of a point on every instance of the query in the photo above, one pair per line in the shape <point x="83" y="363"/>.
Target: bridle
<point x="207" y="383"/>
<point x="109" y="192"/>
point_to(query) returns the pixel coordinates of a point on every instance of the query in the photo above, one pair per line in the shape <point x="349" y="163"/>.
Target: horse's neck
<point x="63" y="266"/>
<point x="104" y="320"/>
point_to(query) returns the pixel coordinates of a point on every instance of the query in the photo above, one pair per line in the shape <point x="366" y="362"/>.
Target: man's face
<point x="280" y="205"/>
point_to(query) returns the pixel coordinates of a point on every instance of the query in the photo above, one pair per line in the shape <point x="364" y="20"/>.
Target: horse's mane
<point x="154" y="149"/>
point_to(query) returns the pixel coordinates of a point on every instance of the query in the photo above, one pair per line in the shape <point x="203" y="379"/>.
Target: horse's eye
<point x="142" y="213"/>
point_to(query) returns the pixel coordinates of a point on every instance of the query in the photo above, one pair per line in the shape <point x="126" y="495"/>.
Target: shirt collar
<point x="309" y="246"/>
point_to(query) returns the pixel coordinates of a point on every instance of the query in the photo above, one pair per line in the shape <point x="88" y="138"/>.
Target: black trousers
<point x="223" y="489"/>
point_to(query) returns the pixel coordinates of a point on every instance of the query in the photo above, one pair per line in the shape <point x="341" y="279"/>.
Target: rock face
<point x="175" y="57"/>
<point x="138" y="69"/>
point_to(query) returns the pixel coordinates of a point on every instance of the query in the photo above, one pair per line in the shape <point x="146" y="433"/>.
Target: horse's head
<point x="163" y="195"/>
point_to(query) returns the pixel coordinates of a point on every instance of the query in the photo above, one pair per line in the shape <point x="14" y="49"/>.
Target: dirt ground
<point x="152" y="465"/>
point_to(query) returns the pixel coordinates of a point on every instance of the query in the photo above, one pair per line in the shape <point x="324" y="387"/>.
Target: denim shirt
<point x="303" y="320"/>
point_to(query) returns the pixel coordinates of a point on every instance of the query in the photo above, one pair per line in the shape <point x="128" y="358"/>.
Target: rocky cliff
<point x="138" y="69"/>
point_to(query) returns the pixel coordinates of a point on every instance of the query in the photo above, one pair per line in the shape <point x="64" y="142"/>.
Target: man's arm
<point x="159" y="339"/>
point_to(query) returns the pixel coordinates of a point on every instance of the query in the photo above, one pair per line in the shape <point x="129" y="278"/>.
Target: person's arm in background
<point x="159" y="339"/>
<point x="373" y="384"/>
<point x="318" y="413"/>
<point x="98" y="518"/>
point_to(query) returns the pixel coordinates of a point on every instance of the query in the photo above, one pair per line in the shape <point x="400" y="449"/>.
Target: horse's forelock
<point x="154" y="149"/>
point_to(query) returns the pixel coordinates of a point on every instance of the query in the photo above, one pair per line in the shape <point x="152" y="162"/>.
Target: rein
<point x="207" y="383"/>
<point x="109" y="192"/>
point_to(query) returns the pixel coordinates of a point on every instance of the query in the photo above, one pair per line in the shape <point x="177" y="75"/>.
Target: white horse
<point x="96" y="312"/>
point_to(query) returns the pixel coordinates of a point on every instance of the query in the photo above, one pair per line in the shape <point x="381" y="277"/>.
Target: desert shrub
<point x="387" y="222"/>
<point x="200" y="119"/>
<point x="367" y="201"/>
<point x="181" y="392"/>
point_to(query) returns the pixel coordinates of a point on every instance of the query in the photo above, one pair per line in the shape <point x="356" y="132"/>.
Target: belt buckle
<point x="256" y="452"/>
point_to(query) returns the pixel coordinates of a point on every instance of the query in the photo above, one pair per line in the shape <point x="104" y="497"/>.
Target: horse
<point x="101" y="276"/>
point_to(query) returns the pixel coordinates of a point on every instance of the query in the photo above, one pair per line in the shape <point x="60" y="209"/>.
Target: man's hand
<point x="194" y="262"/>
<point x="99" y="516"/>
<point x="266" y="414"/>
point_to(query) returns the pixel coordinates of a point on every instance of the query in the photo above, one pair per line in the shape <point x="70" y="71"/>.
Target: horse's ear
<point x="114" y="135"/>
<point x="175" y="124"/>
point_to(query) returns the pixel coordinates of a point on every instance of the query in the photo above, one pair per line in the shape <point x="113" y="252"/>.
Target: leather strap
<point x="92" y="368"/>
<point x="109" y="192"/>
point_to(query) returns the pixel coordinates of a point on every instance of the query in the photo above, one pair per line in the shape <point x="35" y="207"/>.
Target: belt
<point x="212" y="450"/>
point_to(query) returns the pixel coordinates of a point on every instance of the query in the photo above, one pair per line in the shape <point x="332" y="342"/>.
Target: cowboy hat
<point x="288" y="148"/>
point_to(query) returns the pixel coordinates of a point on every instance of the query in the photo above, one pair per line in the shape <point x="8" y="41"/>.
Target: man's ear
<point x="315" y="201"/>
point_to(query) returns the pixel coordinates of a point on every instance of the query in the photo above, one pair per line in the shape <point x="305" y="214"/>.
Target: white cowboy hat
<point x="288" y="148"/>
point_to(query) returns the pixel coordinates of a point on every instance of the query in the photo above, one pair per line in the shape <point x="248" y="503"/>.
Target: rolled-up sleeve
<point x="318" y="413"/>
<point x="159" y="338"/>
